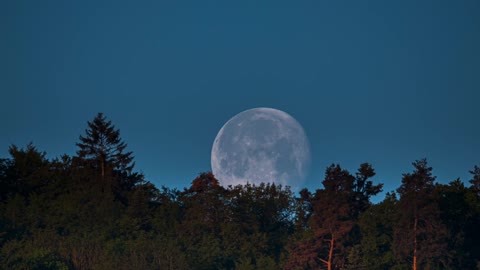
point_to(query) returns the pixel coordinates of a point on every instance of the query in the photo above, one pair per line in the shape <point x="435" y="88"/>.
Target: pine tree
<point x="472" y="237"/>
<point x="475" y="181"/>
<point x="102" y="153"/>
<point x="374" y="250"/>
<point x="457" y="215"/>
<point x="26" y="171"/>
<point x="420" y="236"/>
<point x="335" y="212"/>
<point x="103" y="146"/>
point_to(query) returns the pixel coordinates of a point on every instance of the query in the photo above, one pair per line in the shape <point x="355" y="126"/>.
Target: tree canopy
<point x="93" y="211"/>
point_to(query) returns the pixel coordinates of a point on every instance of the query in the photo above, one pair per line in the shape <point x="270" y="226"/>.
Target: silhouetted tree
<point x="472" y="236"/>
<point x="363" y="188"/>
<point x="475" y="181"/>
<point x="258" y="225"/>
<point x="103" y="151"/>
<point x="27" y="171"/>
<point x="201" y="224"/>
<point x="55" y="214"/>
<point x="335" y="210"/>
<point x="458" y="216"/>
<point x="374" y="250"/>
<point x="303" y="210"/>
<point x="420" y="236"/>
<point x="103" y="147"/>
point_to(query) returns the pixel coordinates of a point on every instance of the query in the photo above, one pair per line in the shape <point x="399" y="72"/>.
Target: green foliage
<point x="92" y="211"/>
<point x="333" y="219"/>
<point x="374" y="250"/>
<point x="421" y="234"/>
<point x="101" y="154"/>
<point x="25" y="254"/>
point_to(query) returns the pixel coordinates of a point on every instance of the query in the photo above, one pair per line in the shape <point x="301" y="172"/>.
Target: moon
<point x="261" y="145"/>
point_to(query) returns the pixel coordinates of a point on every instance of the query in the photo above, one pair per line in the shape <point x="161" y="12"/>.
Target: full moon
<point x="261" y="145"/>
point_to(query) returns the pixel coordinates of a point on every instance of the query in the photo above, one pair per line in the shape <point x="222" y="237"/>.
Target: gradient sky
<point x="385" y="82"/>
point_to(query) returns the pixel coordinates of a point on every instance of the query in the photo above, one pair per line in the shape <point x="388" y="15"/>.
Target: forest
<point x="93" y="210"/>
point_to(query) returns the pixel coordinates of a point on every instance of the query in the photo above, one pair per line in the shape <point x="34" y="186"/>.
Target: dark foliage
<point x="92" y="211"/>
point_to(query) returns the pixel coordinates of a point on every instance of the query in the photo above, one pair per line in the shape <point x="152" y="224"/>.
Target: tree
<point x="458" y="215"/>
<point x="335" y="211"/>
<point x="475" y="181"/>
<point x="472" y="237"/>
<point x="363" y="188"/>
<point x="102" y="150"/>
<point x="27" y="171"/>
<point x="103" y="147"/>
<point x="303" y="210"/>
<point x="332" y="215"/>
<point x="374" y="250"/>
<point x="420" y="236"/>
<point x="201" y="223"/>
<point x="6" y="182"/>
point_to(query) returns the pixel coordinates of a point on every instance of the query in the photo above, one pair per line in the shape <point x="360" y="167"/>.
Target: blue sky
<point x="385" y="82"/>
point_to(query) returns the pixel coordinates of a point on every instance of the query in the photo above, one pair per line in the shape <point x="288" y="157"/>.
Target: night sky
<point x="385" y="82"/>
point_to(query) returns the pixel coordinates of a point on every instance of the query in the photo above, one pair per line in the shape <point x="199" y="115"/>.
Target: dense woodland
<point x="93" y="211"/>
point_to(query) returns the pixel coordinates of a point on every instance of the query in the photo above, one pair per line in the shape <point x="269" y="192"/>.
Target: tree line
<point x="93" y="211"/>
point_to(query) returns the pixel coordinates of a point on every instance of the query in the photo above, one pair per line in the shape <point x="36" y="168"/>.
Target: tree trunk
<point x="102" y="166"/>
<point x="415" y="244"/>
<point x="328" y="262"/>
<point x="330" y="253"/>
<point x="102" y="163"/>
<point x="103" y="169"/>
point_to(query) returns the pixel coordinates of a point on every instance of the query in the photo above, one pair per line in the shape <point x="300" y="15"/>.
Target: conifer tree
<point x="475" y="181"/>
<point x="102" y="153"/>
<point x="335" y="208"/>
<point x="102" y="147"/>
<point x="420" y="237"/>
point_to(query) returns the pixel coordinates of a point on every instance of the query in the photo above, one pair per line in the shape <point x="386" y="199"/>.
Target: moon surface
<point x="261" y="145"/>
